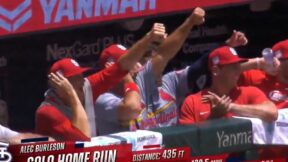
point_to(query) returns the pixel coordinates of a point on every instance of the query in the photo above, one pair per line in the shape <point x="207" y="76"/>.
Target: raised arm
<point x="260" y="64"/>
<point x="173" y="43"/>
<point x="109" y="77"/>
<point x="136" y="52"/>
<point x="239" y="39"/>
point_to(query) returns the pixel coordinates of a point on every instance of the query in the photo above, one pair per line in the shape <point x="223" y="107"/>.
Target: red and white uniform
<point x="6" y="133"/>
<point x="53" y="117"/>
<point x="277" y="92"/>
<point x="193" y="110"/>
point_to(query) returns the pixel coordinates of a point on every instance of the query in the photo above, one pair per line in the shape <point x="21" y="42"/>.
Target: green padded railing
<point x="210" y="137"/>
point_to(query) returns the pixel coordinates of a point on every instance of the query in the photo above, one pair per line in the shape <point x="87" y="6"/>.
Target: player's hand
<point x="198" y="16"/>
<point x="62" y="87"/>
<point x="219" y="105"/>
<point x="237" y="39"/>
<point x="271" y="69"/>
<point x="157" y="34"/>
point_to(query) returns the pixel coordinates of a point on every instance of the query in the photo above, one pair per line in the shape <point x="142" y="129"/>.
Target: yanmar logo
<point x="11" y="20"/>
<point x="35" y="15"/>
<point x="19" y="16"/>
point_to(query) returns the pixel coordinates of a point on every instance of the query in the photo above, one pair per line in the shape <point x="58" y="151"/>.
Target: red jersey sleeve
<point x="255" y="95"/>
<point x="51" y="122"/>
<point x="187" y="113"/>
<point x="106" y="79"/>
<point x="251" y="77"/>
<point x="245" y="79"/>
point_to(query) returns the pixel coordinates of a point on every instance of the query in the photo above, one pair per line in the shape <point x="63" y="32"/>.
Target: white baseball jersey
<point x="6" y="133"/>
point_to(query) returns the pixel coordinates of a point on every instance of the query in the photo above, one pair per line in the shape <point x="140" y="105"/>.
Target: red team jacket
<point x="52" y="121"/>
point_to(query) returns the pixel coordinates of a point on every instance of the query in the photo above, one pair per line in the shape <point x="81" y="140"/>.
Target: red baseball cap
<point x="111" y="53"/>
<point x="67" y="67"/>
<point x="280" y="49"/>
<point x="223" y="56"/>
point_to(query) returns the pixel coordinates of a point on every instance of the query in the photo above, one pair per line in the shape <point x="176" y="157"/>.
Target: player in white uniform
<point x="110" y="101"/>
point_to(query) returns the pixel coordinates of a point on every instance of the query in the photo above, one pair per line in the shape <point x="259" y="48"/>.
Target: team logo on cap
<point x="277" y="96"/>
<point x="121" y="47"/>
<point x="232" y="50"/>
<point x="75" y="63"/>
<point x="110" y="59"/>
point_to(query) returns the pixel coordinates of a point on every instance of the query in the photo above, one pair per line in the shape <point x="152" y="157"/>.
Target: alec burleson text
<point x="58" y="153"/>
<point x="42" y="147"/>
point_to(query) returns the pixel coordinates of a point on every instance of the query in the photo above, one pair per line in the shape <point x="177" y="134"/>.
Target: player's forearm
<point x="130" y="106"/>
<point x="266" y="111"/>
<point x="169" y="48"/>
<point x="79" y="117"/>
<point x="173" y="43"/>
<point x="135" y="53"/>
<point x="250" y="64"/>
<point x="131" y="103"/>
<point x="81" y="122"/>
<point x="253" y="63"/>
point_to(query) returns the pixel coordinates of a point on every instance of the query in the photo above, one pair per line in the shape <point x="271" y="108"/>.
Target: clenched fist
<point x="198" y="16"/>
<point x="157" y="34"/>
<point x="237" y="39"/>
